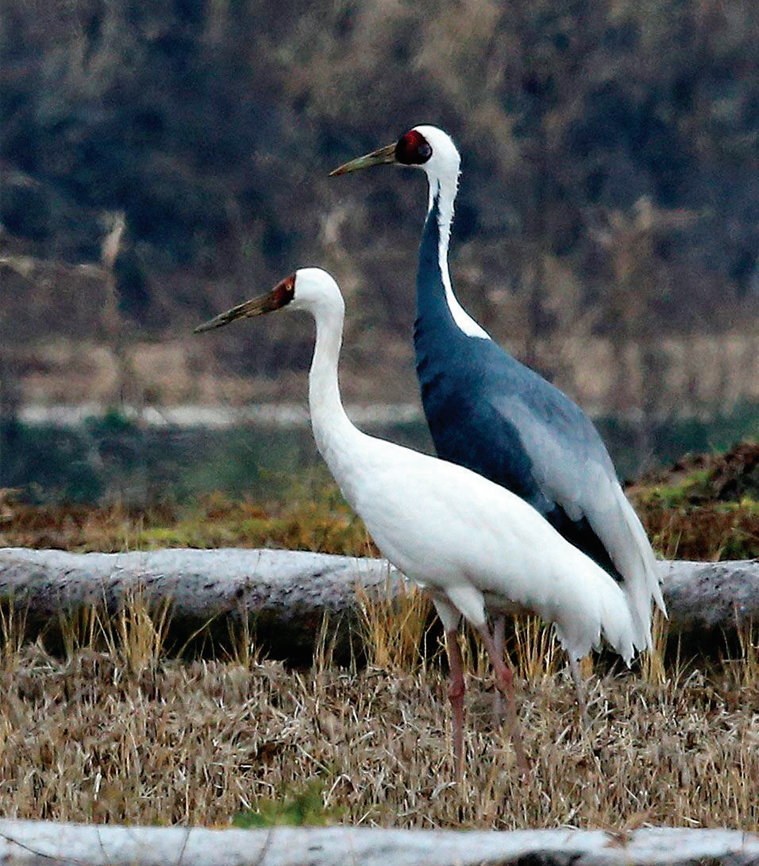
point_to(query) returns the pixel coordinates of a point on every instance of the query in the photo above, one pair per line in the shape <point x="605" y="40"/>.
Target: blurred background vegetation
<point x="161" y="161"/>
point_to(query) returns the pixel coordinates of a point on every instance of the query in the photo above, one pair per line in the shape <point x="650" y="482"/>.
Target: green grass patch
<point x="303" y="808"/>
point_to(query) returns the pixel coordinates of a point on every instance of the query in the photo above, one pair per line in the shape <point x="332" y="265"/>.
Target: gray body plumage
<point x="492" y="414"/>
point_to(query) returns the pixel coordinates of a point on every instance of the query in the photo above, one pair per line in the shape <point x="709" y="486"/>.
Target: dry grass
<point x="395" y="631"/>
<point x="115" y="731"/>
<point x="312" y="515"/>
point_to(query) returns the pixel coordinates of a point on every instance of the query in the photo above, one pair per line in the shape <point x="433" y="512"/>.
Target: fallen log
<point x="40" y="843"/>
<point x="707" y="596"/>
<point x="285" y="594"/>
<point x="282" y="594"/>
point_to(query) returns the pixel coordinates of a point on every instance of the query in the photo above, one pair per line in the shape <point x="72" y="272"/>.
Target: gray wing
<point x="573" y="468"/>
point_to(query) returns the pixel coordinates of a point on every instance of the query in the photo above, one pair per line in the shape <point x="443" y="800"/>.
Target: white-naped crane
<point x="497" y="417"/>
<point x="472" y="544"/>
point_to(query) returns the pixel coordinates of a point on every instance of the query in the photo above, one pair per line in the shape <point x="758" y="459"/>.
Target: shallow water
<point x="82" y="454"/>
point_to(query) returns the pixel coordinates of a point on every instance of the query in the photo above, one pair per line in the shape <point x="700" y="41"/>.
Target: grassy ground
<point x="114" y="730"/>
<point x="311" y="516"/>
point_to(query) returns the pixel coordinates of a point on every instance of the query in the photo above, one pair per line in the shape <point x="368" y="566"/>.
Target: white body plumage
<point x="472" y="543"/>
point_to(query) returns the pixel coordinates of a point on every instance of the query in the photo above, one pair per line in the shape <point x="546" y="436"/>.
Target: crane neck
<point x="442" y="195"/>
<point x="336" y="437"/>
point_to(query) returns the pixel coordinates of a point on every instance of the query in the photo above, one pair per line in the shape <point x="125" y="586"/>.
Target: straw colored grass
<point x="114" y="731"/>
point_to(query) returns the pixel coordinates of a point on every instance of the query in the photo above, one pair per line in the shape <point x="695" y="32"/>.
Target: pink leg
<point x="504" y="682"/>
<point x="456" y="689"/>
<point x="574" y="667"/>
<point x="499" y="634"/>
<point x="499" y="638"/>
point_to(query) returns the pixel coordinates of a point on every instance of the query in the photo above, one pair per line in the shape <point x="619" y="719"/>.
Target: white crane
<point x="471" y="543"/>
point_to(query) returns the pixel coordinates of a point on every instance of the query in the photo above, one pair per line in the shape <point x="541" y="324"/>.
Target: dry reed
<point x="114" y="731"/>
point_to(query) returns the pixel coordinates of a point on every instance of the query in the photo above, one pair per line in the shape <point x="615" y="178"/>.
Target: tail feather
<point x="630" y="551"/>
<point x="642" y="582"/>
<point x="601" y="611"/>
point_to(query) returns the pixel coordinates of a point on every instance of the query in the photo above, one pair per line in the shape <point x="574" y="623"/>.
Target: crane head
<point x="412" y="148"/>
<point x="278" y="297"/>
<point x="306" y="289"/>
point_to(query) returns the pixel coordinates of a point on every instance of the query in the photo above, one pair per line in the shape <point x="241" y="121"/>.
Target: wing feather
<point x="573" y="469"/>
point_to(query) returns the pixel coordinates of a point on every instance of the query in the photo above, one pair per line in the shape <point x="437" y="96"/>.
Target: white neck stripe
<point x="446" y="194"/>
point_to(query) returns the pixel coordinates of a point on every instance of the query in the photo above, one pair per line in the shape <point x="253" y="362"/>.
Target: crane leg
<point x="456" y="689"/>
<point x="499" y="638"/>
<point x="505" y="683"/>
<point x="499" y="633"/>
<point x="574" y="667"/>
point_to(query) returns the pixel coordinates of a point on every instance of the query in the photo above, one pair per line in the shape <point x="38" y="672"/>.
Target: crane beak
<point x="377" y="157"/>
<point x="278" y="297"/>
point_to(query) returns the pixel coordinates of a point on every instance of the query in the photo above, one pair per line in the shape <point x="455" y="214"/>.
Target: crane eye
<point x="412" y="149"/>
